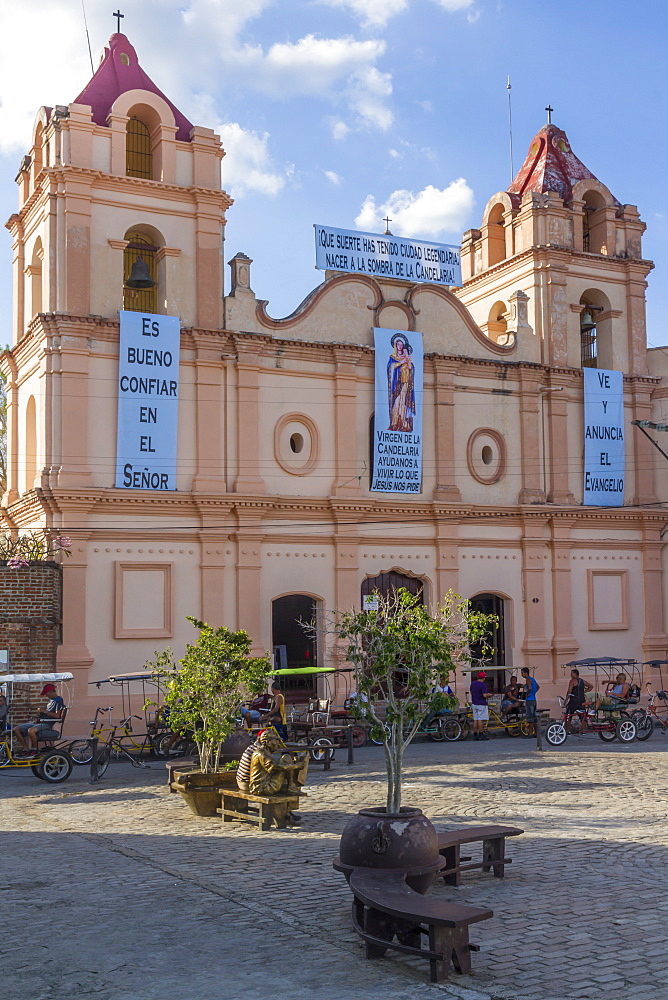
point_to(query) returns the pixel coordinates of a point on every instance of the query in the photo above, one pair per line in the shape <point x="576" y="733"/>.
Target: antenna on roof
<point x="87" y="37"/>
<point x="510" y="130"/>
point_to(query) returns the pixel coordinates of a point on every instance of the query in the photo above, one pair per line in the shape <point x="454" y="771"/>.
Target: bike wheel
<point x="435" y="731"/>
<point x="513" y="729"/>
<point x="608" y="735"/>
<point x="466" y="729"/>
<point x="317" y="749"/>
<point x="644" y="725"/>
<point x="452" y="730"/>
<point x="375" y="735"/>
<point x="626" y="730"/>
<point x="81" y="751"/>
<point x="103" y="759"/>
<point x="359" y="735"/>
<point x="556" y="733"/>
<point x="55" y="766"/>
<point x="4" y="755"/>
<point x="524" y="728"/>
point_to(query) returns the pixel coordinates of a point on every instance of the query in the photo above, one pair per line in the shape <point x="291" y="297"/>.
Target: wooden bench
<point x="493" y="850"/>
<point x="385" y="908"/>
<point x="259" y="809"/>
<point x="182" y="764"/>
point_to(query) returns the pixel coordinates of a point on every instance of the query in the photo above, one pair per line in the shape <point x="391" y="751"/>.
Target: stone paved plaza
<point x="117" y="892"/>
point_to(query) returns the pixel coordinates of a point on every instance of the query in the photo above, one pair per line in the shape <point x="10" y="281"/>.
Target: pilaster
<point x="209" y="414"/>
<point x="248" y="478"/>
<point x="346" y="479"/>
<point x="446" y="489"/>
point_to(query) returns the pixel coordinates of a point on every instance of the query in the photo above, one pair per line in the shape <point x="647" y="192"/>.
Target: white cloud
<point x="368" y="95"/>
<point x="339" y="129"/>
<point x="372" y="13"/>
<point x="429" y="213"/>
<point x="453" y="6"/>
<point x="247" y="165"/>
<point x="314" y="65"/>
<point x="333" y="177"/>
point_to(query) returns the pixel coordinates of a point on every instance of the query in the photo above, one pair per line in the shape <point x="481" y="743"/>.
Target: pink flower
<point x="17" y="562"/>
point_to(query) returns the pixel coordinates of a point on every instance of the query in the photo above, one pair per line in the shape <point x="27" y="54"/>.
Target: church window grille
<point x="139" y="156"/>
<point x="588" y="351"/>
<point x="140" y="299"/>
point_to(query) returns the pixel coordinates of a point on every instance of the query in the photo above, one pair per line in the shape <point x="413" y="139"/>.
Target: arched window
<point x="389" y="583"/>
<point x="593" y="223"/>
<point x="588" y="345"/>
<point x="138" y="152"/>
<point x="35" y="273"/>
<point x="497" y="324"/>
<point x="496" y="236"/>
<point x="31" y="444"/>
<point x="140" y="299"/>
<point x="294" y="647"/>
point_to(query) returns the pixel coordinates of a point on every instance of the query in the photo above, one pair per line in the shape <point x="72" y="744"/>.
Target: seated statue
<point x="273" y="769"/>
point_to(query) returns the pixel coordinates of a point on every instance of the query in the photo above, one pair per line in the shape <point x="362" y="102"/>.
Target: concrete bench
<point x="385" y="908"/>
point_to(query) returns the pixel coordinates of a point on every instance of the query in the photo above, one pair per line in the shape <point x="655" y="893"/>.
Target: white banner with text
<point x="397" y="431"/>
<point x="387" y="256"/>
<point x="604" y="438"/>
<point x="148" y="401"/>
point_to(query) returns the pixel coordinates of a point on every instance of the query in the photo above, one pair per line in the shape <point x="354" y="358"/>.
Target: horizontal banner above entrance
<point x="386" y="256"/>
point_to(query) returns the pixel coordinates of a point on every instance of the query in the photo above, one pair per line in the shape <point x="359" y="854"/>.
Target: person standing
<point x="479" y="696"/>
<point x="531" y="687"/>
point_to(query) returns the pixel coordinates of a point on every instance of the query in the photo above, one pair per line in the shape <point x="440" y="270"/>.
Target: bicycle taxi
<point x="50" y="762"/>
<point x="602" y="712"/>
<point x="512" y="722"/>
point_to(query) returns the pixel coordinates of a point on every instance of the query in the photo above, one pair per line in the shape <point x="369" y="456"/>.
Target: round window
<point x="296" y="443"/>
<point x="486" y="455"/>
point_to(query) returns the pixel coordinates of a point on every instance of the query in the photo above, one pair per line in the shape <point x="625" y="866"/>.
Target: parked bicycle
<point x="655" y="716"/>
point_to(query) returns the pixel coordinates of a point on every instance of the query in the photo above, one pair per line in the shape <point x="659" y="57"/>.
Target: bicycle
<point x="81" y="750"/>
<point x="513" y="724"/>
<point x="113" y="747"/>
<point x="648" y="719"/>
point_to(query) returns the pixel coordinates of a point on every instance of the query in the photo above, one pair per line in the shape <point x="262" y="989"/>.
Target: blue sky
<point x="336" y="111"/>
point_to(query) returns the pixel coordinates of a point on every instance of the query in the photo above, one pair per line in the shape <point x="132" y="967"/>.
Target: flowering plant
<point x="33" y="546"/>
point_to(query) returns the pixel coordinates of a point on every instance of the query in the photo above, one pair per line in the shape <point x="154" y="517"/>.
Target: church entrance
<point x="294" y="648"/>
<point x="492" y="604"/>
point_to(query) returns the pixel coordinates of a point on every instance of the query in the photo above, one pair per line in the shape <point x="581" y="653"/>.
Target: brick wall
<point x="30" y="627"/>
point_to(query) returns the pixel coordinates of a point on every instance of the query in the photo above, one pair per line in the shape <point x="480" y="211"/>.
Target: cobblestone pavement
<point x="116" y="891"/>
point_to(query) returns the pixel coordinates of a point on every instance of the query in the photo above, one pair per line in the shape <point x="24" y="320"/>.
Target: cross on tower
<point x="549" y="110"/>
<point x="387" y="226"/>
<point x="117" y="14"/>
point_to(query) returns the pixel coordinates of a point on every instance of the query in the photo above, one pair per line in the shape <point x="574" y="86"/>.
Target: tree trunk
<point x="396" y="751"/>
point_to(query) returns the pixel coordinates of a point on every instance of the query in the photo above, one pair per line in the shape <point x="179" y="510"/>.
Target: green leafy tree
<point x="398" y="652"/>
<point x="204" y="689"/>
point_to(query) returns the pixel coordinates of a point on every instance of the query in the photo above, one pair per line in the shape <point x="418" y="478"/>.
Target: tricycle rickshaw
<point x="604" y="713"/>
<point x="50" y="762"/>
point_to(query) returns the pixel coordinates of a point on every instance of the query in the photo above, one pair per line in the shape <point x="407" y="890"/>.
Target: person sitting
<point x="442" y="688"/>
<point x="576" y="693"/>
<point x="619" y="690"/>
<point x="4" y="714"/>
<point x="275" y="716"/>
<point x="615" y="695"/>
<point x="29" y="733"/>
<point x="254" y="711"/>
<point x="510" y="700"/>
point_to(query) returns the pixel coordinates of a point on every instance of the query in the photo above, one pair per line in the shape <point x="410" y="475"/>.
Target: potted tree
<point x="399" y="651"/>
<point x="203" y="692"/>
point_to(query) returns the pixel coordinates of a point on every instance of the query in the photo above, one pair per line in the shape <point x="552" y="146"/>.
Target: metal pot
<point x="405" y="840"/>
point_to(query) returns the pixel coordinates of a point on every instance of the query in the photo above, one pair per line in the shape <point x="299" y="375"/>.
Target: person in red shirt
<point x="254" y="711"/>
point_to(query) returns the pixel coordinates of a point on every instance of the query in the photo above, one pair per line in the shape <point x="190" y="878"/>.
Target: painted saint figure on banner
<point x="401" y="385"/>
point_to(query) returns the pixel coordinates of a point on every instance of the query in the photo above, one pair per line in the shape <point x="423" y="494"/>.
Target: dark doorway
<point x="388" y="583"/>
<point x="294" y="647"/>
<point x="492" y="604"/>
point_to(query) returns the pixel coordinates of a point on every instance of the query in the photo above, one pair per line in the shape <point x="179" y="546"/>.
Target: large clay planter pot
<point x="202" y="791"/>
<point x="406" y="840"/>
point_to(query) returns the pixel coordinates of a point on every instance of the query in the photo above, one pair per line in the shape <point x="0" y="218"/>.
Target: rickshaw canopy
<point x="34" y="678"/>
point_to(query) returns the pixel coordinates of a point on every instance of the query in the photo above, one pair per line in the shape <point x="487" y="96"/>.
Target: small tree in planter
<point x="398" y="652"/>
<point x="204" y="690"/>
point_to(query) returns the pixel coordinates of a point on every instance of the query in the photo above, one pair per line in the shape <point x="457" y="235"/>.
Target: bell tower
<point x="118" y="185"/>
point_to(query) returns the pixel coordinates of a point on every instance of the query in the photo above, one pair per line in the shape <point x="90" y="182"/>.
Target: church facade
<point x="273" y="519"/>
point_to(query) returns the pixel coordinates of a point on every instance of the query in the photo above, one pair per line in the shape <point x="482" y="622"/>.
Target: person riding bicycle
<point x="29" y="733"/>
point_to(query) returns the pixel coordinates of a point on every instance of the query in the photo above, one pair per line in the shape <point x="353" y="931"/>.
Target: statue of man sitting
<point x="273" y="769"/>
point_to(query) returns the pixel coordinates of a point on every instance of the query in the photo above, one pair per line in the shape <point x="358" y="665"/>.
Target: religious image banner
<point x="397" y="431"/>
<point x="148" y="401"/>
<point x="604" y="456"/>
<point x="387" y="256"/>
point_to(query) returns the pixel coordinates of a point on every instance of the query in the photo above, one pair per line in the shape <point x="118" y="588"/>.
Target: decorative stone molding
<point x="486" y="455"/>
<point x="298" y="451"/>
